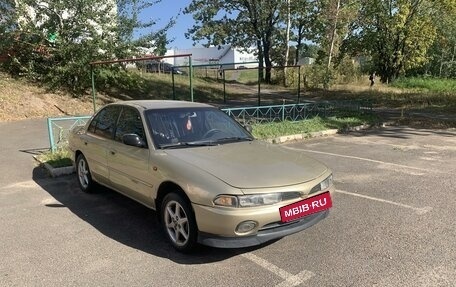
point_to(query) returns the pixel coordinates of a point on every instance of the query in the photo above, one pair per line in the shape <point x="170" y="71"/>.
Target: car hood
<point x="252" y="164"/>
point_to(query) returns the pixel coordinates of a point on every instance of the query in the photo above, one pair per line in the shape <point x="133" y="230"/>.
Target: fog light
<point x="246" y="226"/>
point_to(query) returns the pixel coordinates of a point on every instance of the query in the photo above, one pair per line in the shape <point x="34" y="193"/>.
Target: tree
<point x="395" y="34"/>
<point x="241" y="23"/>
<point x="54" y="41"/>
<point x="442" y="54"/>
<point x="302" y="18"/>
<point x="330" y="25"/>
<point x="287" y="42"/>
<point x="128" y="12"/>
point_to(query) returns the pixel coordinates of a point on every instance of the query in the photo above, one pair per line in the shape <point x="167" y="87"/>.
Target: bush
<point x="347" y="71"/>
<point x="59" y="158"/>
<point x="318" y="76"/>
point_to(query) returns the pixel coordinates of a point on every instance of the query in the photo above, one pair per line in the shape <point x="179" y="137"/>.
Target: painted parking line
<point x="418" y="210"/>
<point x="289" y="279"/>
<point x="364" y="159"/>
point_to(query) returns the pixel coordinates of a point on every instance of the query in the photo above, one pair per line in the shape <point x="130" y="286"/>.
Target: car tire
<point x="83" y="173"/>
<point x="179" y="224"/>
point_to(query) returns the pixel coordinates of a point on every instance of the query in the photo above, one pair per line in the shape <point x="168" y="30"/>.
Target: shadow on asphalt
<point x="123" y="219"/>
<point x="34" y="151"/>
<point x="399" y="132"/>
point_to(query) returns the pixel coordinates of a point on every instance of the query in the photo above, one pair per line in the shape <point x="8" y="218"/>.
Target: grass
<point x="20" y="99"/>
<point x="432" y="85"/>
<point x="58" y="158"/>
<point x="248" y="76"/>
<point x="434" y="95"/>
<point x="273" y="130"/>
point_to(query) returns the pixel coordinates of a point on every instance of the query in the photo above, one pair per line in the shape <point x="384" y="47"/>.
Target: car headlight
<point x="325" y="184"/>
<point x="226" y="200"/>
<point x="248" y="200"/>
<point x="259" y="199"/>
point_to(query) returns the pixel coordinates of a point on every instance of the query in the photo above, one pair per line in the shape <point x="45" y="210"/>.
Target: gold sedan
<point x="210" y="181"/>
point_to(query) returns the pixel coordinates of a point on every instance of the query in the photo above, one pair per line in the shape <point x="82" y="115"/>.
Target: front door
<point x="129" y="168"/>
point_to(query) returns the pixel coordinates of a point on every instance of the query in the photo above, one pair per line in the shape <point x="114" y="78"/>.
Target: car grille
<point x="290" y="195"/>
<point x="280" y="224"/>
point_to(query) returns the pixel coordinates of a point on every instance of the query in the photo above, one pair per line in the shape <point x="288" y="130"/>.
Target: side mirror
<point x="133" y="140"/>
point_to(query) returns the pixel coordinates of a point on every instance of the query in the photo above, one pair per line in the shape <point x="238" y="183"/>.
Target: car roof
<point x="161" y="104"/>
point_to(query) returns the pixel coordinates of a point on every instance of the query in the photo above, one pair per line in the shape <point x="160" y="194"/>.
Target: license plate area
<point x="305" y="207"/>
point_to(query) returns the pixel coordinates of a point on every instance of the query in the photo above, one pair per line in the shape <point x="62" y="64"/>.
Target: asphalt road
<point x="392" y="223"/>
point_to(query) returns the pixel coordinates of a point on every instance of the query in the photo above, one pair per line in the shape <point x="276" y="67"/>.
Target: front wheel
<point x="83" y="171"/>
<point x="179" y="222"/>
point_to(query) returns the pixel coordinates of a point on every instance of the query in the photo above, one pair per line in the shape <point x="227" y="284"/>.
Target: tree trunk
<point x="298" y="45"/>
<point x="260" y="60"/>
<point x="287" y="51"/>
<point x="333" y="35"/>
<point x="297" y="52"/>
<point x="267" y="61"/>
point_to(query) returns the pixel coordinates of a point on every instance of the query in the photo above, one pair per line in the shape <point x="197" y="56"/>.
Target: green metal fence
<point x="297" y="112"/>
<point x="58" y="129"/>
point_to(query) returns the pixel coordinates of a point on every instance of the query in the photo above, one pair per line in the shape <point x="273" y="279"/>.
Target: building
<point x="229" y="57"/>
<point x="306" y="61"/>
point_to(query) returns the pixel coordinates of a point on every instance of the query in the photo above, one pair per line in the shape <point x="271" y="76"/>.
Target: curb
<point x="56" y="171"/>
<point x="299" y="137"/>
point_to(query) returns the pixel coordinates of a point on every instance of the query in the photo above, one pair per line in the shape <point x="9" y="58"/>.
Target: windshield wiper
<point x="187" y="144"/>
<point x="233" y="139"/>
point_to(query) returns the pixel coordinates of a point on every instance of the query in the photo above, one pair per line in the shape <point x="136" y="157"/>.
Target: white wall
<point x="205" y="56"/>
<point x="242" y="57"/>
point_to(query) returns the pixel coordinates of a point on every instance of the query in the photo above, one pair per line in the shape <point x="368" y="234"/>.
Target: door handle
<point x="85" y="143"/>
<point x="113" y="152"/>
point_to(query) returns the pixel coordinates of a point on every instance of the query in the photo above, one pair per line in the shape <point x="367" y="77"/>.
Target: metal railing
<point x="297" y="112"/>
<point x="58" y="129"/>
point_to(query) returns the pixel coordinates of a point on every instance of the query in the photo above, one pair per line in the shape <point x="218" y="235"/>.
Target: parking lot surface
<point x="392" y="223"/>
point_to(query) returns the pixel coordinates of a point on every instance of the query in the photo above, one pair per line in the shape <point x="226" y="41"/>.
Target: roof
<point x="162" y="104"/>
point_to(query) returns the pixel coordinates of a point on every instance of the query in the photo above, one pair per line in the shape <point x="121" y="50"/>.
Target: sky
<point x="166" y="9"/>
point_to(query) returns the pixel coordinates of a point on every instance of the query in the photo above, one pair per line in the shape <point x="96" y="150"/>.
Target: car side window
<point x="104" y="122"/>
<point x="129" y="123"/>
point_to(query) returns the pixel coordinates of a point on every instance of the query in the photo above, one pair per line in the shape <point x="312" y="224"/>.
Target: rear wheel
<point x="179" y="222"/>
<point x="83" y="171"/>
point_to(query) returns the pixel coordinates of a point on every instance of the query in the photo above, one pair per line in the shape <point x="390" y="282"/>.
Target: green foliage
<point x="58" y="158"/>
<point x="396" y="35"/>
<point x="318" y="76"/>
<point x="272" y="130"/>
<point x="347" y="71"/>
<point x="249" y="76"/>
<point x="427" y="84"/>
<point x="55" y="43"/>
<point x="243" y="24"/>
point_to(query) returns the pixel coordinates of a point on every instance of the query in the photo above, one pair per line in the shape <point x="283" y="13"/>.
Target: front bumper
<point x="267" y="233"/>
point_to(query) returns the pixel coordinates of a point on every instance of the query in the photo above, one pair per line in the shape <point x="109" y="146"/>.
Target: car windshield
<point x="190" y="127"/>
